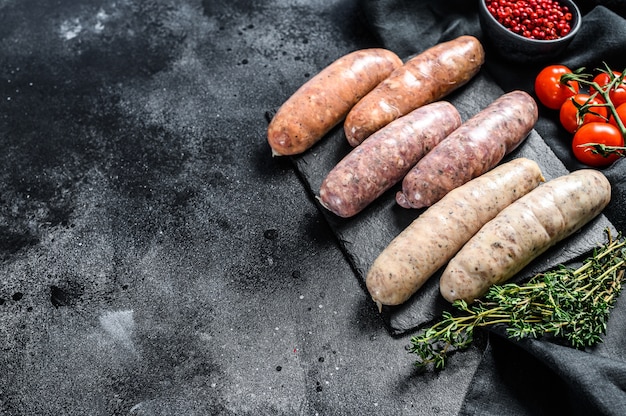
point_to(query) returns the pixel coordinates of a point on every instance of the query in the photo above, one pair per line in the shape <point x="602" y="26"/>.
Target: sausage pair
<point x="439" y="232"/>
<point x="523" y="231"/>
<point x="369" y="89"/>
<point x="487" y="230"/>
<point x="430" y="152"/>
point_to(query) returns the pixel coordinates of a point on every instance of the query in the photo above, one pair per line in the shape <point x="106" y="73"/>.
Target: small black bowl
<point x="514" y="47"/>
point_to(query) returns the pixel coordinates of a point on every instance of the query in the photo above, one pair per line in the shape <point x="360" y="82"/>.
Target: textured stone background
<point x="154" y="258"/>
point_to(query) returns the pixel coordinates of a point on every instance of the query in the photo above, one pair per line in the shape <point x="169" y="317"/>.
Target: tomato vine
<point x="604" y="91"/>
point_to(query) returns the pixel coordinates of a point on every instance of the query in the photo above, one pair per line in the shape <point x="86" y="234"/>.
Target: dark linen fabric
<point x="531" y="377"/>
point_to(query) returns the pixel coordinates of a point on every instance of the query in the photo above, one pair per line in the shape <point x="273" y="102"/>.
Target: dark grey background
<point x="155" y="259"/>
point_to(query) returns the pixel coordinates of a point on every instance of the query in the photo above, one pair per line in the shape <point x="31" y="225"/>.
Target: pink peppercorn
<point x="533" y="19"/>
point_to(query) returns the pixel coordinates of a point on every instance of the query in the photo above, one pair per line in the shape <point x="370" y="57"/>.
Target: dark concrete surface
<point x="154" y="258"/>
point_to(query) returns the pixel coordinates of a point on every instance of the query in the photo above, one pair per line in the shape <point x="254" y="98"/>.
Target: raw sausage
<point x="471" y="150"/>
<point x="523" y="231"/>
<point x="425" y="78"/>
<point x="385" y="157"/>
<point x="438" y="233"/>
<point x="324" y="101"/>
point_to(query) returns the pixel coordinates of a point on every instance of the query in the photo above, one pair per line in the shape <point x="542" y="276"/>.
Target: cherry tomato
<point x="570" y="117"/>
<point x="601" y="133"/>
<point x="617" y="94"/>
<point x="621" y="113"/>
<point x="549" y="89"/>
<point x="602" y="79"/>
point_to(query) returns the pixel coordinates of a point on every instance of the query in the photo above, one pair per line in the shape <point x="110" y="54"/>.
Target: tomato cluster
<point x="587" y="109"/>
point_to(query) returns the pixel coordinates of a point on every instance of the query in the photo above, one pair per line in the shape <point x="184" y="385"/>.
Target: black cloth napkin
<point x="531" y="377"/>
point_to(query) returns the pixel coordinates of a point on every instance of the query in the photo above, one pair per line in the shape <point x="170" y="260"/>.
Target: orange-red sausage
<point x="323" y="101"/>
<point x="427" y="77"/>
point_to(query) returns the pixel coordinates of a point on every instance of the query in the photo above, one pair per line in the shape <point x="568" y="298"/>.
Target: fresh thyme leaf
<point x="570" y="304"/>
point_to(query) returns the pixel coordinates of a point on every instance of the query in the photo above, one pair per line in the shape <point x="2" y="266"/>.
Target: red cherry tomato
<point x="600" y="133"/>
<point x="590" y="112"/>
<point x="621" y="113"/>
<point x="617" y="94"/>
<point x="549" y="89"/>
<point x="602" y="79"/>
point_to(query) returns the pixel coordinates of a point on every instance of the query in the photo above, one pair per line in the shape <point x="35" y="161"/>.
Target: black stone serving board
<point x="364" y="236"/>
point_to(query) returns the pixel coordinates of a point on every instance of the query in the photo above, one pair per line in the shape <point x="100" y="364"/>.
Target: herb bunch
<point x="570" y="304"/>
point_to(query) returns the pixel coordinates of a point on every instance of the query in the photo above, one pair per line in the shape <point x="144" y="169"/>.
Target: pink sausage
<point x="471" y="150"/>
<point x="385" y="157"/>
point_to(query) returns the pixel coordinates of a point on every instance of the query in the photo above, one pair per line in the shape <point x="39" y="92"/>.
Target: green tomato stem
<point x="602" y="91"/>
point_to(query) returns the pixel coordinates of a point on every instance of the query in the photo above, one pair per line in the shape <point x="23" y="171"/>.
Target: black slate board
<point x="365" y="235"/>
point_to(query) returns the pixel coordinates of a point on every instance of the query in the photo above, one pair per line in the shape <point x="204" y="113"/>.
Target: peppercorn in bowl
<point x="529" y="30"/>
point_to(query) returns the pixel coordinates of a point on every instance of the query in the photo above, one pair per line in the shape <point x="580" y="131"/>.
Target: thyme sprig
<point x="569" y="304"/>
